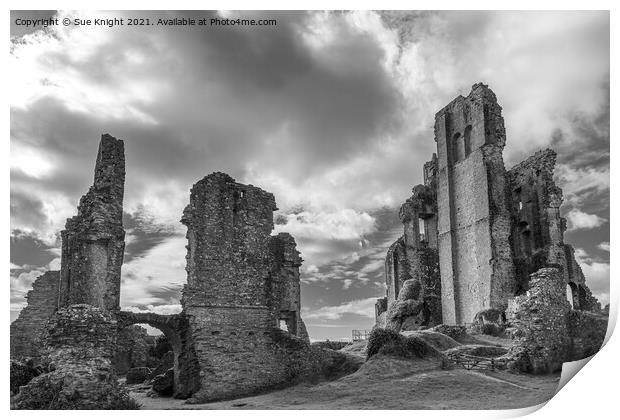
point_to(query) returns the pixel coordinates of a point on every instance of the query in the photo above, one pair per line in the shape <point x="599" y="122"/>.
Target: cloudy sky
<point x="332" y="112"/>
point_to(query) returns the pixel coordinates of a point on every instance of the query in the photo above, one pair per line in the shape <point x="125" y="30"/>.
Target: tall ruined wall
<point x="414" y="258"/>
<point x="537" y="238"/>
<point x="93" y="240"/>
<point x="228" y="258"/>
<point x="286" y="291"/>
<point x="474" y="221"/>
<point x="28" y="329"/>
<point x="241" y="282"/>
<point x="537" y="228"/>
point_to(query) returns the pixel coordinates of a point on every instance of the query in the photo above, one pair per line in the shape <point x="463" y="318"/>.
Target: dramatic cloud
<point x="333" y="112"/>
<point x="604" y="246"/>
<point x="580" y="220"/>
<point x="363" y="307"/>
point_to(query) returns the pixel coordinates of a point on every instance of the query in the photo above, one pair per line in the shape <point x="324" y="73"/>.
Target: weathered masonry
<point x="242" y="284"/>
<point x="480" y="229"/>
<point x="93" y="241"/>
<point x="240" y="330"/>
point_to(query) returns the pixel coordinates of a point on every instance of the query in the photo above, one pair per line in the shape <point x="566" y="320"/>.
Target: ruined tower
<point x="93" y="240"/>
<point x="241" y="282"/>
<point x="486" y="230"/>
<point x="477" y="270"/>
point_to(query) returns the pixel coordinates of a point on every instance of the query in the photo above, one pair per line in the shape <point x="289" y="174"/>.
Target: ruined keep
<point x="241" y="284"/>
<point x="240" y="330"/>
<point x="475" y="232"/>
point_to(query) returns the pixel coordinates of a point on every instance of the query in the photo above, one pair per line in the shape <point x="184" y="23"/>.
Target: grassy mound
<point x="389" y="343"/>
<point x="438" y="340"/>
<point x="358" y="348"/>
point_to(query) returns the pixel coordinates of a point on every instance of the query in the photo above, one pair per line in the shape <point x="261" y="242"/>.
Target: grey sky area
<point x="333" y="112"/>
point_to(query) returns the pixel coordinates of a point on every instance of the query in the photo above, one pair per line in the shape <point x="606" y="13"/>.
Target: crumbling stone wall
<point x="413" y="260"/>
<point x="79" y="346"/>
<point x="548" y="332"/>
<point x="474" y="221"/>
<point x="540" y="319"/>
<point x="286" y="293"/>
<point x="490" y="228"/>
<point x="93" y="240"/>
<point x="28" y="329"/>
<point x="586" y="331"/>
<point x="131" y="349"/>
<point x="241" y="282"/>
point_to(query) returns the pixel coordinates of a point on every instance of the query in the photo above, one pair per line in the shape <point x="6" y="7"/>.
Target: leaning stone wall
<point x="93" y="240"/>
<point x="28" y="329"/>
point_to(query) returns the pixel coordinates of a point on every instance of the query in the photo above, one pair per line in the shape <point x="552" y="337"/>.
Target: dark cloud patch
<point x="28" y="250"/>
<point x="27" y="210"/>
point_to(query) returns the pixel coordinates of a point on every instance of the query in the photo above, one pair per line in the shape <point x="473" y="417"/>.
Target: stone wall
<point x="28" y="329"/>
<point x="132" y="349"/>
<point x="93" y="240"/>
<point x="540" y="319"/>
<point x="586" y="331"/>
<point x="490" y="228"/>
<point x="79" y="346"/>
<point x="548" y="332"/>
<point x="474" y="252"/>
<point x="414" y="258"/>
<point x="242" y="283"/>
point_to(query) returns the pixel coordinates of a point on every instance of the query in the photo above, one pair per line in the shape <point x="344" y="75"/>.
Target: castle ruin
<point x="240" y="330"/>
<point x="474" y="232"/>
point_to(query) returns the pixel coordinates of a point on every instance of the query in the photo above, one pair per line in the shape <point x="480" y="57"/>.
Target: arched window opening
<point x="421" y="230"/>
<point x="283" y="325"/>
<point x="459" y="147"/>
<point x="467" y="140"/>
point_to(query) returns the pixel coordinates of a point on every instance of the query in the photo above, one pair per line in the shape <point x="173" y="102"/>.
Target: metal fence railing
<point x="359" y="335"/>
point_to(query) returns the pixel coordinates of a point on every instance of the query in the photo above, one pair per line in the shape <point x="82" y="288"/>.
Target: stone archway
<point x="172" y="326"/>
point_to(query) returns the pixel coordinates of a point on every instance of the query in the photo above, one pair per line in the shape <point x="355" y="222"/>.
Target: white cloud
<point x="344" y="224"/>
<point x="579" y="184"/>
<point x="156" y="277"/>
<point x="363" y="307"/>
<point x="158" y="309"/>
<point x="604" y="246"/>
<point x="580" y="220"/>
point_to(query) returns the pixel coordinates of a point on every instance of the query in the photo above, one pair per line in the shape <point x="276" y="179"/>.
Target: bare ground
<point x="392" y="383"/>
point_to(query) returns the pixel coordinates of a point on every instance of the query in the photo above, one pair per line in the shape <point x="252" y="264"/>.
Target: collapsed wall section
<point x="537" y="238"/>
<point x="28" y="329"/>
<point x="413" y="259"/>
